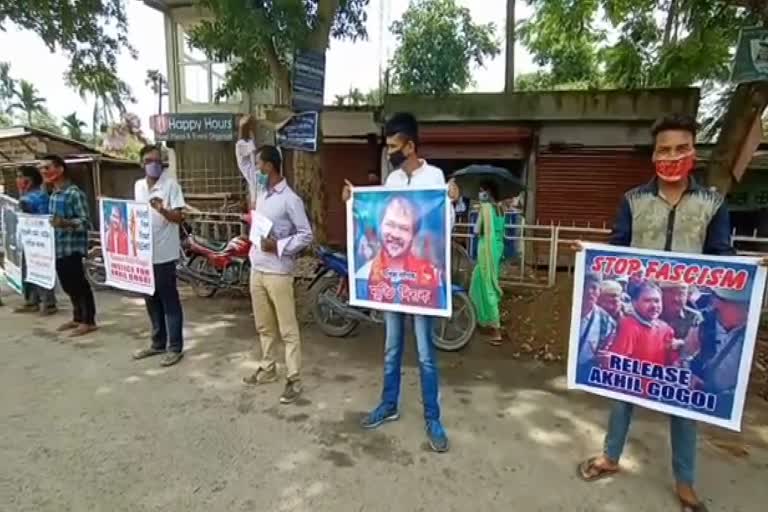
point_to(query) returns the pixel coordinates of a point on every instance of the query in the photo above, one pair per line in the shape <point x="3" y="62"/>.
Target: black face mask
<point x="397" y="159"/>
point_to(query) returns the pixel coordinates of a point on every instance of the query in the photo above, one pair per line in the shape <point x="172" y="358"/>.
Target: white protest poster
<point x="126" y="241"/>
<point x="37" y="238"/>
<point x="261" y="226"/>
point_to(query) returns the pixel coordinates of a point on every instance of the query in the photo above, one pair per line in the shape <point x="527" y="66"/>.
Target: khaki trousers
<point x="274" y="311"/>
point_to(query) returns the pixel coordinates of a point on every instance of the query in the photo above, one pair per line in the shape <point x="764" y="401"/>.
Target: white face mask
<point x="484" y="196"/>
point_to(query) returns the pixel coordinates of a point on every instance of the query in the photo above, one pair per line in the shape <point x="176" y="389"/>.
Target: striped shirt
<point x="69" y="203"/>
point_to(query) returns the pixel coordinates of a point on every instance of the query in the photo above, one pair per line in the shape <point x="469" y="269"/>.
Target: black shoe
<point x="291" y="393"/>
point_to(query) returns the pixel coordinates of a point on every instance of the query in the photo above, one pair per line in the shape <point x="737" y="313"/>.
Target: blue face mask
<point x="262" y="179"/>
<point x="153" y="169"/>
<point x="483" y="196"/>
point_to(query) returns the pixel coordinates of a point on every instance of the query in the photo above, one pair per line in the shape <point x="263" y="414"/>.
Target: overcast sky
<point x="348" y="64"/>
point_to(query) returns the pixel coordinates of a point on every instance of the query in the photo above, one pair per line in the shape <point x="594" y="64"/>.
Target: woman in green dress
<point x="484" y="288"/>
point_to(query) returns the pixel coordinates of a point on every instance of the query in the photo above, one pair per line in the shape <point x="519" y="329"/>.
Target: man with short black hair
<point x="33" y="199"/>
<point x="402" y="132"/>
<point x="670" y="213"/>
<point x="273" y="261"/>
<point x="70" y="218"/>
<point x="164" y="195"/>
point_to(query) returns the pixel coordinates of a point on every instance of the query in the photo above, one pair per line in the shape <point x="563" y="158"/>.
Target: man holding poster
<point x="398" y="230"/>
<point x="671" y="213"/>
<point x="166" y="200"/>
<point x="70" y="218"/>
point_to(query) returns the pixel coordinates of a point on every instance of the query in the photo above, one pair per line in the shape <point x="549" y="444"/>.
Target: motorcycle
<point x="336" y="318"/>
<point x="209" y="266"/>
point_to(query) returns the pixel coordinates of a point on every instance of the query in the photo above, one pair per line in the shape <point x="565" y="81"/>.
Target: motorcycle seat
<point x="211" y="244"/>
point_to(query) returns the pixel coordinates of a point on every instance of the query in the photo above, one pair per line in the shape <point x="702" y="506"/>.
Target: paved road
<point x="84" y="428"/>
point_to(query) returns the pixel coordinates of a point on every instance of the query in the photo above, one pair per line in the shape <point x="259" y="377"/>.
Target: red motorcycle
<point x="209" y="266"/>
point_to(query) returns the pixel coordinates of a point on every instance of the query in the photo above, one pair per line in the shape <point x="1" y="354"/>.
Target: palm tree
<point x="7" y="84"/>
<point x="159" y="85"/>
<point x="27" y="100"/>
<point x="74" y="126"/>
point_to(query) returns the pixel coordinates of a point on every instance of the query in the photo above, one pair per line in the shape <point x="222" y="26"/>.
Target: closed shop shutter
<point x="584" y="186"/>
<point x="344" y="161"/>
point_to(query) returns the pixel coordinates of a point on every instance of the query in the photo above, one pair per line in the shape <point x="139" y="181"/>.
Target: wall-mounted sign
<point x="181" y="127"/>
<point x="308" y="81"/>
<point x="300" y="132"/>
<point x="751" y="61"/>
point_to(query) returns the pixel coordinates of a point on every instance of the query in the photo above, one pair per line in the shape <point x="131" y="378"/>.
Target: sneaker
<point x="261" y="376"/>
<point x="380" y="415"/>
<point x="171" y="358"/>
<point x="438" y="441"/>
<point x="291" y="393"/>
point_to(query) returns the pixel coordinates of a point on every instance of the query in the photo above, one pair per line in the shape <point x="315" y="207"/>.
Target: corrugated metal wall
<point x="583" y="186"/>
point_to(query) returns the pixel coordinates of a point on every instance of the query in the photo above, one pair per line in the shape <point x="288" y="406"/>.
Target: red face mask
<point x="675" y="170"/>
<point x="51" y="174"/>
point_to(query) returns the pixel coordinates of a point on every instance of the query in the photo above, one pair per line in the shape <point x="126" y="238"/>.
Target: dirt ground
<point x="85" y="428"/>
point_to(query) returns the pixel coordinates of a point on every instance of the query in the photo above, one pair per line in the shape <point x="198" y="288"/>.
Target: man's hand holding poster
<point x="670" y="332"/>
<point x="126" y="241"/>
<point x="398" y="244"/>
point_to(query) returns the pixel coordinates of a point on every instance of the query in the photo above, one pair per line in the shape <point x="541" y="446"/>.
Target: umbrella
<point x="470" y="178"/>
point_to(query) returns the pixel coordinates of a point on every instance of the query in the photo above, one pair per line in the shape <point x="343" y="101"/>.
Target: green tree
<point x="90" y="33"/>
<point x="437" y="43"/>
<point x="259" y="39"/>
<point x="45" y="120"/>
<point x="354" y="98"/>
<point x="74" y="126"/>
<point x="657" y="43"/>
<point x="7" y="85"/>
<point x="26" y="99"/>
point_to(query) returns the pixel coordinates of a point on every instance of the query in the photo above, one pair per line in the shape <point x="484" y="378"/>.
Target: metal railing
<point x="540" y="251"/>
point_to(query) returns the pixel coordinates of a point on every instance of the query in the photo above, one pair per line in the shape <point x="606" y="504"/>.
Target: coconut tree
<point x="27" y="100"/>
<point x="74" y="126"/>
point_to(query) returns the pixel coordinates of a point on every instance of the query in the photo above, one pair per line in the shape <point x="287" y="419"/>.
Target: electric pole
<point x="509" y="81"/>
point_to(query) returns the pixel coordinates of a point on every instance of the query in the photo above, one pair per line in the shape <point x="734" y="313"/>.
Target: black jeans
<point x="164" y="308"/>
<point x="71" y="274"/>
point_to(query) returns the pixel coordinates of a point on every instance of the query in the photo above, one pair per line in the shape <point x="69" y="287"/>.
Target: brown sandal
<point x="591" y="472"/>
<point x="692" y="507"/>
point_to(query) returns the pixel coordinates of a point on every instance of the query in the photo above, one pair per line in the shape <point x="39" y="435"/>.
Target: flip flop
<point x="589" y="472"/>
<point x="691" y="507"/>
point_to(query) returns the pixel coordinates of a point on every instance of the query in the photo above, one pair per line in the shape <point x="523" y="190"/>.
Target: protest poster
<point x="12" y="248"/>
<point x="398" y="248"/>
<point x="126" y="242"/>
<point x="38" y="240"/>
<point x="668" y="331"/>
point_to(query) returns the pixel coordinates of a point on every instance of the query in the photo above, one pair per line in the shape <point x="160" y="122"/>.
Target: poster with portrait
<point x="398" y="248"/>
<point x="671" y="332"/>
<point x="126" y="242"/>
<point x="38" y="239"/>
<point x="11" y="243"/>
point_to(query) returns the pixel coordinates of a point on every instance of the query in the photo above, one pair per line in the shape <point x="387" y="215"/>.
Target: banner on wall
<point x="671" y="332"/>
<point x="126" y="242"/>
<point x="398" y="247"/>
<point x="11" y="243"/>
<point x="37" y="236"/>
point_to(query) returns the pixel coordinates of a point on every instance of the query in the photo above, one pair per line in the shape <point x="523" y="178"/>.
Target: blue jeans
<point x="682" y="433"/>
<point x="393" y="359"/>
<point x="164" y="308"/>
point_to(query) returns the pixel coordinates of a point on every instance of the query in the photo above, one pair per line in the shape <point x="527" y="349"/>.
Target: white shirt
<point x="166" y="245"/>
<point x="425" y="176"/>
